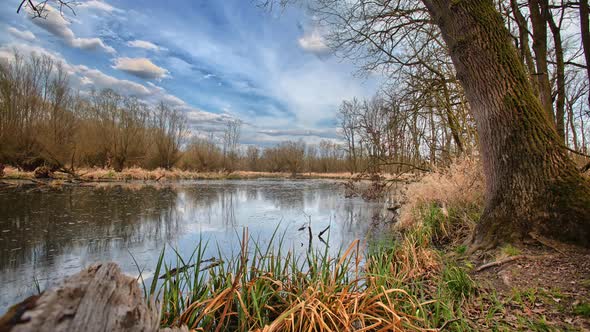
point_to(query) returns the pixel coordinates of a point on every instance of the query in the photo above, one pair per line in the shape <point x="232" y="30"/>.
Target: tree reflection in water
<point x="48" y="234"/>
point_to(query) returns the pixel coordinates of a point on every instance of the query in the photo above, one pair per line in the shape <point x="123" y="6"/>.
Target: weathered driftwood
<point x="100" y="298"/>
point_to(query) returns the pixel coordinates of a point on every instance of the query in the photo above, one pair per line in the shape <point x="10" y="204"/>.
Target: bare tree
<point x="532" y="183"/>
<point x="231" y="139"/>
<point x="170" y="131"/>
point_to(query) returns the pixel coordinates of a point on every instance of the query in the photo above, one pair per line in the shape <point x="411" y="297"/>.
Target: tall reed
<point x="269" y="288"/>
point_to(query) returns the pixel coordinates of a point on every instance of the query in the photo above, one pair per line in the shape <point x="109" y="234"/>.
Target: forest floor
<point x="542" y="287"/>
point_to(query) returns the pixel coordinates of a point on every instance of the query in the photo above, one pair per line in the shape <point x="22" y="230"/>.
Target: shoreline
<point x="424" y="279"/>
<point x="90" y="175"/>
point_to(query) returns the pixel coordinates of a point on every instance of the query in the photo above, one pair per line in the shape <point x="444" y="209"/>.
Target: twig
<point x="42" y="183"/>
<point x="500" y="262"/>
<point x="447" y="323"/>
<point x="576" y="152"/>
<point x="322" y="232"/>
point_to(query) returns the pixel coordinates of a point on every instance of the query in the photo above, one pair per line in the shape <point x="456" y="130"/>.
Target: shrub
<point x="447" y="202"/>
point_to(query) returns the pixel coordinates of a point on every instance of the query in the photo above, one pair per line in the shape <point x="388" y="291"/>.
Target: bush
<point x="446" y="201"/>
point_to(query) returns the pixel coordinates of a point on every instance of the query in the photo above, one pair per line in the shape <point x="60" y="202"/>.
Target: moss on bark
<point x="532" y="185"/>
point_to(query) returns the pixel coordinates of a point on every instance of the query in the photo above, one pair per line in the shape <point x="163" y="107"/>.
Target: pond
<point x="47" y="234"/>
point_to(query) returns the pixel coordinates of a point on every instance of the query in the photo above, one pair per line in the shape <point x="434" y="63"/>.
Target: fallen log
<point x="99" y="298"/>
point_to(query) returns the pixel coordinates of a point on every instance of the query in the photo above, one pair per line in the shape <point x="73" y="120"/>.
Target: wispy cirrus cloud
<point x="140" y="67"/>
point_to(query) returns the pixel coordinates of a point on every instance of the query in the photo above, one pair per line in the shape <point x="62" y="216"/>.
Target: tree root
<point x="479" y="245"/>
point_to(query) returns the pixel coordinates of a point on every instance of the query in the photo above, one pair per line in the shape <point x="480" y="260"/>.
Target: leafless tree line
<point x="44" y="121"/>
<point x="421" y="116"/>
<point x="203" y="154"/>
<point x="553" y="39"/>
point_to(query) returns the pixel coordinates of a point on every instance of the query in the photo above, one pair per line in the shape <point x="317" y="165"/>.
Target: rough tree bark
<point x="531" y="183"/>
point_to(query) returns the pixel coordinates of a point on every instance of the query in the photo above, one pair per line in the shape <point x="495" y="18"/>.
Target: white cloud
<point x="55" y="24"/>
<point x="145" y="45"/>
<point x="140" y="67"/>
<point x="22" y="34"/>
<point x="291" y="90"/>
<point x="314" y="42"/>
<point x="94" y="78"/>
<point x="7" y="51"/>
<point x="91" y="44"/>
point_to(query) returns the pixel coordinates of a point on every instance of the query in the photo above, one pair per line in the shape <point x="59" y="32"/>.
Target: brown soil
<point x="547" y="289"/>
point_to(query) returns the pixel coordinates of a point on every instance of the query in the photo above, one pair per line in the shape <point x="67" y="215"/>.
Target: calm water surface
<point x="48" y="234"/>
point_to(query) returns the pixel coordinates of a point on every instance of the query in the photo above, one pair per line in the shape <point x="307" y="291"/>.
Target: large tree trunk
<point x="531" y="183"/>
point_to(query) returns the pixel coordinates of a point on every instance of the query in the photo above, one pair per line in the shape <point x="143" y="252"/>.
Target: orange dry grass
<point x="460" y="184"/>
<point x="138" y="173"/>
<point x="274" y="293"/>
<point x="319" y="308"/>
<point x="14" y="173"/>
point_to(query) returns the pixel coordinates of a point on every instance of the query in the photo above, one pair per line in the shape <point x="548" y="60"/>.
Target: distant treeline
<point x="289" y="156"/>
<point x="44" y="121"/>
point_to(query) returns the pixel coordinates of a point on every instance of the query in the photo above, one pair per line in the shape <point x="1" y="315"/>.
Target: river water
<point x="47" y="234"/>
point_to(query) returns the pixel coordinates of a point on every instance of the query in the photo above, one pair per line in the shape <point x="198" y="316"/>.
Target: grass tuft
<point x="509" y="250"/>
<point x="457" y="282"/>
<point x="267" y="288"/>
<point x="582" y="309"/>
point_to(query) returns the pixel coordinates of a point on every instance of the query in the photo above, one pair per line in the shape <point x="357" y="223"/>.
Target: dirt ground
<point x="542" y="287"/>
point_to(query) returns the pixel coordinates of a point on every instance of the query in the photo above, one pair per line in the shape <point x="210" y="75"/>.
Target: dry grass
<point x="460" y="185"/>
<point x="266" y="289"/>
<point x="13" y="173"/>
<point x="136" y="173"/>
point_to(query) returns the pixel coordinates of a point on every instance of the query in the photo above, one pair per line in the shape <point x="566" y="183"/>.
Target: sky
<point x="215" y="60"/>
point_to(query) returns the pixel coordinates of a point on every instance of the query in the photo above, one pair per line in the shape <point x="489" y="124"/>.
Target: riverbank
<point x="421" y="279"/>
<point x="424" y="281"/>
<point x="100" y="174"/>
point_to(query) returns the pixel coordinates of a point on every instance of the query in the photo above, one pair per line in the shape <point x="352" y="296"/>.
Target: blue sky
<point x="216" y="60"/>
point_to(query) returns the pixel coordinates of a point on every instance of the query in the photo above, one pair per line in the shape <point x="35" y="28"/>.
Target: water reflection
<point x="47" y="234"/>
